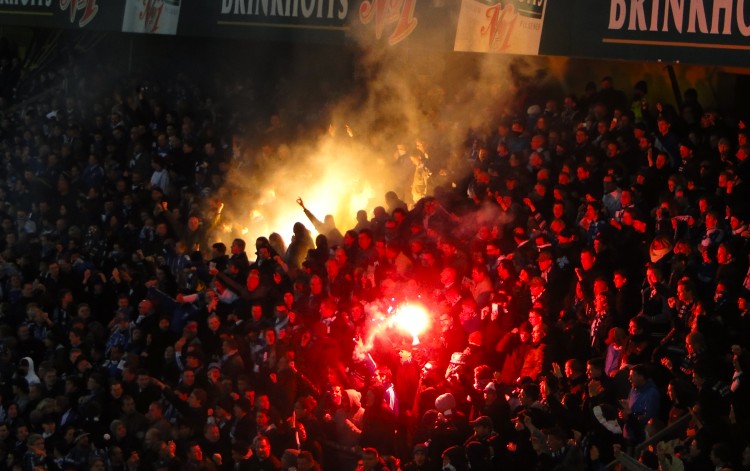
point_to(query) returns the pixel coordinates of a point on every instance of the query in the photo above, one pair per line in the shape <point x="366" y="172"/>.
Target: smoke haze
<point x="399" y="95"/>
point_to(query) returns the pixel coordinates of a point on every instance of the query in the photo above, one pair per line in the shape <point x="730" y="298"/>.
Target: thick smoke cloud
<point x="399" y="95"/>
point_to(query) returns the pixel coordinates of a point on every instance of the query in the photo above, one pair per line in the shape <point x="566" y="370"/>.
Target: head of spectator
<point x="262" y="447"/>
<point x="483" y="427"/>
<point x="237" y="247"/>
<point x="454" y="458"/>
<point x="638" y="376"/>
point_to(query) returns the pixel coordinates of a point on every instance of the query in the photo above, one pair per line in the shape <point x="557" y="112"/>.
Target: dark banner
<point x="375" y="22"/>
<point x="695" y="31"/>
<point x="320" y="20"/>
<point x="387" y="22"/>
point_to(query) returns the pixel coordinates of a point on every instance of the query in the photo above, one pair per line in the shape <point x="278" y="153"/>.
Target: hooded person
<point x="659" y="250"/>
<point x="27" y="364"/>
<point x="348" y="423"/>
<point x="451" y="426"/>
<point x="301" y="243"/>
<point x="378" y="422"/>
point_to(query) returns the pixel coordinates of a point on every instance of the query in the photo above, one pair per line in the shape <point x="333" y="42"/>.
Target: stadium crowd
<point x="585" y="266"/>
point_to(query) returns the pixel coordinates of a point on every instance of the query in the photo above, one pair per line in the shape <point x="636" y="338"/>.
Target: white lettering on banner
<point x="743" y="27"/>
<point x="277" y="8"/>
<point x="639" y="16"/>
<point x="654" y="16"/>
<point x="665" y="16"/>
<point x="697" y="11"/>
<point x="678" y="9"/>
<point x="329" y="9"/>
<point x="617" y="14"/>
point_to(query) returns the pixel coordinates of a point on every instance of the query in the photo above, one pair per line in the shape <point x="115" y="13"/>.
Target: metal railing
<point x="631" y="462"/>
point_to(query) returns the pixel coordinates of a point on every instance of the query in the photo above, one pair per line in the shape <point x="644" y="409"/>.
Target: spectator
<point x="89" y="228"/>
<point x="642" y="404"/>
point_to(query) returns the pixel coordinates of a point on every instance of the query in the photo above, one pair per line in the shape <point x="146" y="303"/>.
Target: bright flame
<point x="413" y="319"/>
<point x="339" y="178"/>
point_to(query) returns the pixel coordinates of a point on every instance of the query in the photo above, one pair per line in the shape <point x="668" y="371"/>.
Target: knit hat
<point x="475" y="338"/>
<point x="445" y="402"/>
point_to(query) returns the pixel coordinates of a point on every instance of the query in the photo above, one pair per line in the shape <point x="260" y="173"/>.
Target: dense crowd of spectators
<point x="584" y="264"/>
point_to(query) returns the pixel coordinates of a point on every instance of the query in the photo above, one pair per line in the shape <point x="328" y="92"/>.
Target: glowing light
<point x="413" y="319"/>
<point x="336" y="177"/>
<point x="244" y="231"/>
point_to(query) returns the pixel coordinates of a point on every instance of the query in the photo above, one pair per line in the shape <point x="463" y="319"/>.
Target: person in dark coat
<point x="378" y="422"/>
<point x="558" y="280"/>
<point x="262" y="459"/>
<point x="558" y="453"/>
<point x="450" y="426"/>
<point x="371" y="461"/>
<point x="193" y="410"/>
<point x="243" y="424"/>
<point x="497" y="408"/>
<point x="420" y="460"/>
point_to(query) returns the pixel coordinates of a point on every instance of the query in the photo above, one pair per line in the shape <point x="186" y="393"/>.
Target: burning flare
<point x="413" y="319"/>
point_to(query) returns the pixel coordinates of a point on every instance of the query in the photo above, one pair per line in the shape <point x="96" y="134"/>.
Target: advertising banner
<point x="713" y="32"/>
<point x="74" y="14"/>
<point x="292" y="14"/>
<point x="273" y="20"/>
<point x="151" y="16"/>
<point x="694" y="31"/>
<point x="426" y="25"/>
<point x="508" y="26"/>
